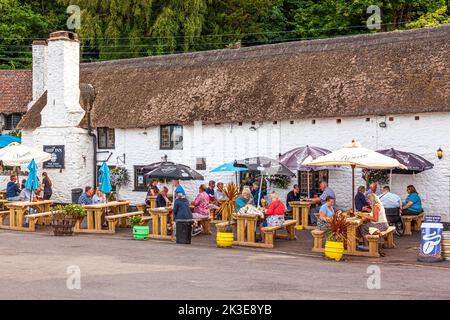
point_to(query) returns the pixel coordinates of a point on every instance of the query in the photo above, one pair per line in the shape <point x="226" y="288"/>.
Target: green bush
<point x="72" y="210"/>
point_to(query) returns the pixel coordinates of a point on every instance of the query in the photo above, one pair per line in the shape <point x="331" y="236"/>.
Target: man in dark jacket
<point x="293" y="195"/>
<point x="182" y="211"/>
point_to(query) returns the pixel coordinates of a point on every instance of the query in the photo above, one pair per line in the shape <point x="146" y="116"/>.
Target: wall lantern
<point x="440" y="153"/>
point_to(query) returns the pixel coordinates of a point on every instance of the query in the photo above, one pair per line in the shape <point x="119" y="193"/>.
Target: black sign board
<point x="57" y="160"/>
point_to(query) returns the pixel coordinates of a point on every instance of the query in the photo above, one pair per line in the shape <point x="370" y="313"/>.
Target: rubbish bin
<point x="430" y="244"/>
<point x="76" y="193"/>
<point x="184" y="231"/>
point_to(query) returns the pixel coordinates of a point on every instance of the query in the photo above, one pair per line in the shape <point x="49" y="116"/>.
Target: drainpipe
<point x="94" y="144"/>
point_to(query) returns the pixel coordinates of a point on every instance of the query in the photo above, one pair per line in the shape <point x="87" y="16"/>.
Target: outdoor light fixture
<point x="252" y="128"/>
<point x="382" y="124"/>
<point x="440" y="153"/>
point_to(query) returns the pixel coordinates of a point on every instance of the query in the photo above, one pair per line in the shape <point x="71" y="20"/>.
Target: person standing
<point x="12" y="189"/>
<point x="178" y="188"/>
<point x="47" y="186"/>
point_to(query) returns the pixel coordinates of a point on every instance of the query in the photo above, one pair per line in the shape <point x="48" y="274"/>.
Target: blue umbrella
<point x="7" y="139"/>
<point x="32" y="180"/>
<point x="229" y="167"/>
<point x="105" y="182"/>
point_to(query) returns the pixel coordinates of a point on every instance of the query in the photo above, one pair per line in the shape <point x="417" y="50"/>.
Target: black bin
<point x="76" y="193"/>
<point x="184" y="231"/>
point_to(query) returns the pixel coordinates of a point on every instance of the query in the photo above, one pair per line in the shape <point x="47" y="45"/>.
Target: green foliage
<point x="114" y="29"/>
<point x="72" y="210"/>
<point x="135" y="220"/>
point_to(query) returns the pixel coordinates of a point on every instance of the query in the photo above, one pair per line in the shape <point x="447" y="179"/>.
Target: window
<point x="200" y="164"/>
<point x="106" y="138"/>
<point x="315" y="177"/>
<point x="11" y="120"/>
<point x="140" y="180"/>
<point x="171" y="137"/>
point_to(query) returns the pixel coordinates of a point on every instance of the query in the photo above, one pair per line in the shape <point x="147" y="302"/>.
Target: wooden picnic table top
<point x="107" y="205"/>
<point x="300" y="203"/>
<point x="28" y="203"/>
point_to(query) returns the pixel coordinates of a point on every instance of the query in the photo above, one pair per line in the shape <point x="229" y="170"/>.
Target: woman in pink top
<point x="201" y="203"/>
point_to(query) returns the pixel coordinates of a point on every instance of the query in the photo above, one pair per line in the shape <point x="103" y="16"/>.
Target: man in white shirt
<point x="372" y="189"/>
<point x="390" y="200"/>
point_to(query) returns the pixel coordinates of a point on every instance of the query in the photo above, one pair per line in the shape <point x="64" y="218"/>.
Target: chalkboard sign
<point x="57" y="160"/>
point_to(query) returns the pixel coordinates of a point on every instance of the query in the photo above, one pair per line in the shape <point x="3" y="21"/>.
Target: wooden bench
<point x="34" y="217"/>
<point x="220" y="227"/>
<point x="205" y="224"/>
<point x="410" y="218"/>
<point x="113" y="220"/>
<point x="270" y="233"/>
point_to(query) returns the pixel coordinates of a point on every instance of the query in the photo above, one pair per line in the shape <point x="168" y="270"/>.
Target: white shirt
<point x="390" y="200"/>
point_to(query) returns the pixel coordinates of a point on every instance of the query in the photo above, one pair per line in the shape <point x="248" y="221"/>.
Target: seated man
<point x="319" y="201"/>
<point x="372" y="189"/>
<point x="210" y="190"/>
<point x="12" y="189"/>
<point x="86" y="196"/>
<point x="218" y="194"/>
<point x="293" y="195"/>
<point x="390" y="200"/>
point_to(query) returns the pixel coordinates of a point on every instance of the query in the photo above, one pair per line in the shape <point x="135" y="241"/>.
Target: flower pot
<point x="225" y="239"/>
<point x="334" y="250"/>
<point x="63" y="226"/>
<point x="140" y="232"/>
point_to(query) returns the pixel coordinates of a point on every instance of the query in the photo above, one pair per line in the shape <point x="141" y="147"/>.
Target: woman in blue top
<point x="243" y="200"/>
<point x="412" y="204"/>
<point x="326" y="212"/>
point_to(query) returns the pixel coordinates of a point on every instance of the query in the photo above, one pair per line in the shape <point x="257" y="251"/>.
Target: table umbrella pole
<point x="307" y="181"/>
<point x="353" y="188"/>
<point x="390" y="179"/>
<point x="260" y="189"/>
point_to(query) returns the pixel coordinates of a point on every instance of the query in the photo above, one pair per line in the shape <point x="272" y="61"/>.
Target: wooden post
<point x="353" y="188"/>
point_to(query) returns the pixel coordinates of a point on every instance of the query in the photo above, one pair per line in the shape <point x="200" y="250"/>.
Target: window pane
<point x="101" y="134"/>
<point x="111" y="139"/>
<point x="177" y="137"/>
<point x="140" y="183"/>
<point x="165" y="137"/>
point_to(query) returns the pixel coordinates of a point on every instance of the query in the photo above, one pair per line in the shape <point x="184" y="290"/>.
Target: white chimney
<point x="63" y="90"/>
<point x="39" y="68"/>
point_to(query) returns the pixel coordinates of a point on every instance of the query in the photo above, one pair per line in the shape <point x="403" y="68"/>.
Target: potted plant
<point x="225" y="233"/>
<point x="336" y="236"/>
<point x="140" y="231"/>
<point x="65" y="217"/>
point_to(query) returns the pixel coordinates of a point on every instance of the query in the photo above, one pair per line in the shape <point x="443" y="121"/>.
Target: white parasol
<point x="16" y="154"/>
<point x="355" y="156"/>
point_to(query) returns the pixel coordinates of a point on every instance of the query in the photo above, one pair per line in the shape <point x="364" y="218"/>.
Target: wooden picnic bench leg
<point x="389" y="240"/>
<point x="32" y="224"/>
<point x="12" y="217"/>
<point x="206" y="226"/>
<point x="268" y="238"/>
<point x="20" y="217"/>
<point x="240" y="230"/>
<point x="164" y="224"/>
<point x="155" y="224"/>
<point x="112" y="225"/>
<point x="418" y="223"/>
<point x="318" y="240"/>
<point x="77" y="225"/>
<point x="407" y="227"/>
<point x="90" y="219"/>
<point x="98" y="219"/>
<point x="296" y="215"/>
<point x="305" y="214"/>
<point x="373" y="245"/>
<point x="251" y="230"/>
<point x="351" y="237"/>
<point x="291" y="232"/>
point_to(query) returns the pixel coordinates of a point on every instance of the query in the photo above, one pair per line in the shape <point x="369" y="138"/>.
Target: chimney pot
<point x="63" y="35"/>
<point x="39" y="42"/>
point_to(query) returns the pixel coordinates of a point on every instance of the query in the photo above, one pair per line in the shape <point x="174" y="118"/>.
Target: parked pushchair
<point x="395" y="219"/>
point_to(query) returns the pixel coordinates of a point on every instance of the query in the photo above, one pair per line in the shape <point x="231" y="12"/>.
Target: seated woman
<point x="274" y="214"/>
<point x="243" y="200"/>
<point x="161" y="198"/>
<point x="98" y="197"/>
<point x="326" y="212"/>
<point x="360" y="200"/>
<point x="376" y="220"/>
<point x="201" y="204"/>
<point x="413" y="203"/>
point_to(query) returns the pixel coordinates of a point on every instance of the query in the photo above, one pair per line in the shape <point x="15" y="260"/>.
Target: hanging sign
<point x="57" y="159"/>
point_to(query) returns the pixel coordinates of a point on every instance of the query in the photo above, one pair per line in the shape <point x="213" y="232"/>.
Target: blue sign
<point x="432" y="219"/>
<point x="430" y="244"/>
<point x="57" y="159"/>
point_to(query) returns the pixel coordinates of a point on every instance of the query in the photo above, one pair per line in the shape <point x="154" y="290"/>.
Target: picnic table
<point x="94" y="214"/>
<point x="300" y="213"/>
<point x="245" y="230"/>
<point x="3" y="194"/>
<point x="18" y="209"/>
<point x="159" y="217"/>
<point x="352" y="239"/>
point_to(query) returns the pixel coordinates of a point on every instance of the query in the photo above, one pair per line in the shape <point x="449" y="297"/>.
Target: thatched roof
<point x="15" y="90"/>
<point x="374" y="74"/>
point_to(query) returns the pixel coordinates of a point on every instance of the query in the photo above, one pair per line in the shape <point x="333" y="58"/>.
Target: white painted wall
<point x="227" y="142"/>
